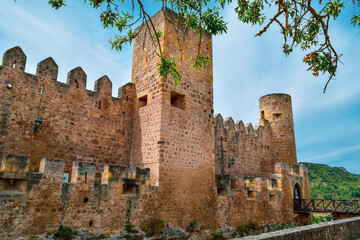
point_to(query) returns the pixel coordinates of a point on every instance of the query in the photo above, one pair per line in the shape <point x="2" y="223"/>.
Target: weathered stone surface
<point x="347" y="229"/>
<point x="157" y="150"/>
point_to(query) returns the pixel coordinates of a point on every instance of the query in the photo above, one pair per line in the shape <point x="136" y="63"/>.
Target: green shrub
<point x="152" y="226"/>
<point x="65" y="233"/>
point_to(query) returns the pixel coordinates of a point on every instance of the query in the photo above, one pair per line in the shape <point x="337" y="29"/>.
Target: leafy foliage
<point x="332" y="182"/>
<point x="321" y="219"/>
<point x="303" y="23"/>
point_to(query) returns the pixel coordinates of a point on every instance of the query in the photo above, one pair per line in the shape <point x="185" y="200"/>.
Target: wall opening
<point x="251" y="194"/>
<point x="66" y="178"/>
<point x="85" y="177"/>
<point x="99" y="104"/>
<point x="142" y="101"/>
<point x="129" y="189"/>
<point x="12" y="185"/>
<point x="272" y="197"/>
<point x="177" y="100"/>
<point x="221" y="192"/>
<point x="86" y="200"/>
<point x="76" y="83"/>
<point x="297" y="192"/>
<point x="14" y="64"/>
<point x="276" y="115"/>
<point x="262" y="114"/>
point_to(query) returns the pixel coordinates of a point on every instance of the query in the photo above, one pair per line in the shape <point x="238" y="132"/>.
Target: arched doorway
<point x="297" y="192"/>
<point x="297" y="197"/>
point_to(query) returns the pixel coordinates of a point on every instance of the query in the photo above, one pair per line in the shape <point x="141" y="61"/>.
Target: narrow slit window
<point x="85" y="177"/>
<point x="178" y="100"/>
<point x="142" y="101"/>
<point x="262" y="116"/>
<point x="14" y="64"/>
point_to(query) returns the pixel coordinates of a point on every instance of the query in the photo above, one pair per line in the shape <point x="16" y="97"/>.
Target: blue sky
<point x="327" y="126"/>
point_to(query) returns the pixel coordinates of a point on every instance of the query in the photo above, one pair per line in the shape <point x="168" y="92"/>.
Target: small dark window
<point x="251" y="194"/>
<point x="76" y="83"/>
<point x="86" y="200"/>
<point x="221" y="192"/>
<point x="14" y="64"/>
<point x="178" y="100"/>
<point x="85" y="177"/>
<point x="129" y="189"/>
<point x="142" y="101"/>
<point x="272" y="198"/>
<point x="262" y="116"/>
<point x="99" y="104"/>
<point x="91" y="222"/>
<point x="276" y="115"/>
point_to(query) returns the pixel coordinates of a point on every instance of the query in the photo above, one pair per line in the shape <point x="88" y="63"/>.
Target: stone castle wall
<point x="78" y="124"/>
<point x="47" y="202"/>
<point x="247" y="151"/>
<point x="185" y="164"/>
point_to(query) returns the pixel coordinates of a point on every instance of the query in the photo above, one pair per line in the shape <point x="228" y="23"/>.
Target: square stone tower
<point x="173" y="125"/>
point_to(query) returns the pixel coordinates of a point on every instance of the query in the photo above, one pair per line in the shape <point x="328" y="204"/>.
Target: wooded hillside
<point x="332" y="182"/>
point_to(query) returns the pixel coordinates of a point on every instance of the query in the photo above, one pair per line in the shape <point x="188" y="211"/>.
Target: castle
<point x="95" y="161"/>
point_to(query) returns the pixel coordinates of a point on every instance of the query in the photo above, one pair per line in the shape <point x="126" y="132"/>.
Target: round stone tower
<point x="277" y="110"/>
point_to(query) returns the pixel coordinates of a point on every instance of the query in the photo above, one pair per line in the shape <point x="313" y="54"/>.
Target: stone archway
<point x="297" y="192"/>
<point x="297" y="197"/>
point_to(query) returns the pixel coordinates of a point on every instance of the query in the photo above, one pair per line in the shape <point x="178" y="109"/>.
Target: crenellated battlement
<point x="76" y="123"/>
<point x="47" y="72"/>
<point x="16" y="180"/>
<point x="241" y="149"/>
<point x="238" y="129"/>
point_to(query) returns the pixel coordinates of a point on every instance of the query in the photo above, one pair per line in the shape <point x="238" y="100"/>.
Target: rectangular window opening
<point x="272" y="198"/>
<point x="262" y="116"/>
<point x="129" y="189"/>
<point x="251" y="194"/>
<point x="276" y="115"/>
<point x="221" y="192"/>
<point x="12" y="185"/>
<point x="142" y="101"/>
<point x="178" y="100"/>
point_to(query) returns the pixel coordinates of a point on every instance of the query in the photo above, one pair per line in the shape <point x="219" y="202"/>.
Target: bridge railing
<point x="327" y="205"/>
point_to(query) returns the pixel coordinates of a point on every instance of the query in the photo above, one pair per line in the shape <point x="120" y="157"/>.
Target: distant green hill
<point x="332" y="182"/>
